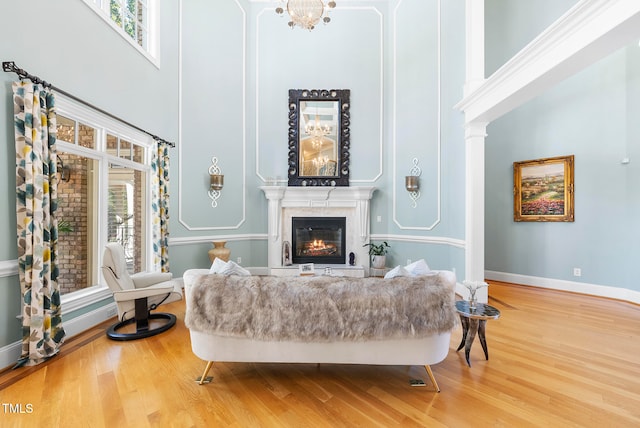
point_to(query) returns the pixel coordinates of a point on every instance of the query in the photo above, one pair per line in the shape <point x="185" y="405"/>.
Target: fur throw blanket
<point x="320" y="309"/>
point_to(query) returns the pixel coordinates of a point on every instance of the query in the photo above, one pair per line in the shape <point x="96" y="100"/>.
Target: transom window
<point x="133" y="19"/>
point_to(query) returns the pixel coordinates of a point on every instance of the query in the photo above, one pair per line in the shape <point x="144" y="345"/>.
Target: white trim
<point x="439" y="121"/>
<point x="419" y="239"/>
<point x="10" y="353"/>
<point x="70" y="302"/>
<point x="8" y="268"/>
<point x="79" y="299"/>
<point x="208" y="239"/>
<point x="610" y="292"/>
<point x="86" y="115"/>
<point x="381" y="76"/>
<point x="589" y="31"/>
<point x="152" y="53"/>
<point x="244" y="126"/>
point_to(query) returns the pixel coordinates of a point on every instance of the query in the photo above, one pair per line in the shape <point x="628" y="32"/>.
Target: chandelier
<point x="317" y="131"/>
<point x="306" y="13"/>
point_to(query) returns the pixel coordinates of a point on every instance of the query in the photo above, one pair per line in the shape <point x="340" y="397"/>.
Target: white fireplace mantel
<point x="353" y="203"/>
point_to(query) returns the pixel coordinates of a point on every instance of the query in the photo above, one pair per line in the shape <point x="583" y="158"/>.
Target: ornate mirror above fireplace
<point x="319" y="137"/>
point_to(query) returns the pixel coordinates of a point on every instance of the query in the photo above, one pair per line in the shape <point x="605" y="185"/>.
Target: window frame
<point x="152" y="50"/>
<point x="104" y="124"/>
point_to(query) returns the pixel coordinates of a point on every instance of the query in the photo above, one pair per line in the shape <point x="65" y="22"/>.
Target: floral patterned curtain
<point x="160" y="168"/>
<point x="37" y="228"/>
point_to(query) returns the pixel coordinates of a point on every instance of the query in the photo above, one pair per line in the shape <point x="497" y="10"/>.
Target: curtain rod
<point x="10" y="67"/>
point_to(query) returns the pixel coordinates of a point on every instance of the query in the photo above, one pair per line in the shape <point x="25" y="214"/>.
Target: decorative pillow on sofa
<point x="397" y="271"/>
<point x="217" y="266"/>
<point x="418" y="268"/>
<point x="228" y="268"/>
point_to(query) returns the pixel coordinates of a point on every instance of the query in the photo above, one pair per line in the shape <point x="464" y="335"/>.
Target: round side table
<point x="474" y="320"/>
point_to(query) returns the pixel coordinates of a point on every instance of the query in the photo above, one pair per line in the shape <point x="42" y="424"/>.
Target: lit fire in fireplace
<point x="317" y="247"/>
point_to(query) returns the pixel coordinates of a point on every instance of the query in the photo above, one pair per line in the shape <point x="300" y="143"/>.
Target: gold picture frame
<point x="543" y="189"/>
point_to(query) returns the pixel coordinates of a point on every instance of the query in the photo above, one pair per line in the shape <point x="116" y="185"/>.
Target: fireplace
<point x="319" y="240"/>
<point x="350" y="202"/>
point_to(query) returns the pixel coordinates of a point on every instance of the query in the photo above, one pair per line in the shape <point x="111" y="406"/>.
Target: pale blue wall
<point x="232" y="86"/>
<point x="594" y="116"/>
<point x="511" y="24"/>
<point x="355" y="51"/>
<point x="79" y="53"/>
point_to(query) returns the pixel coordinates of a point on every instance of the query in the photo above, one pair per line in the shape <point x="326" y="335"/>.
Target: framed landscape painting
<point x="543" y="189"/>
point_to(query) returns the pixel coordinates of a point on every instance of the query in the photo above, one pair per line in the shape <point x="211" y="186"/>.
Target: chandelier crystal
<point x="317" y="131"/>
<point x="306" y="13"/>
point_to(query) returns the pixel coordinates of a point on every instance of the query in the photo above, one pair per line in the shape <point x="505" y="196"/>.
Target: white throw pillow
<point x="397" y="271"/>
<point x="233" y="268"/>
<point x="418" y="268"/>
<point x="217" y="266"/>
<point x="228" y="268"/>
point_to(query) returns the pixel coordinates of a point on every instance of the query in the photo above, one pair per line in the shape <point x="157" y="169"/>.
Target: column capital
<point x="475" y="130"/>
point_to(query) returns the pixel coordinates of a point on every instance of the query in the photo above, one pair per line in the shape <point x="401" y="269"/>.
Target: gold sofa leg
<point x="204" y="379"/>
<point x="433" y="379"/>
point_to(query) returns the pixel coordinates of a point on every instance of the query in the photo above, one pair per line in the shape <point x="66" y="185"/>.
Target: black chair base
<point x="142" y="328"/>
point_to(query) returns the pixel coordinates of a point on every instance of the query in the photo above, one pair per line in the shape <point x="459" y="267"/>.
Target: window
<point x="131" y="16"/>
<point x="133" y="19"/>
<point x="103" y="196"/>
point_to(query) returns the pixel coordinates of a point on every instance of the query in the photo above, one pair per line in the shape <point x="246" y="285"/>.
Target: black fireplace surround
<point x="318" y="240"/>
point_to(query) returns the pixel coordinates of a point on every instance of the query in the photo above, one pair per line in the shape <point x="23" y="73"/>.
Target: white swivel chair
<point x="137" y="295"/>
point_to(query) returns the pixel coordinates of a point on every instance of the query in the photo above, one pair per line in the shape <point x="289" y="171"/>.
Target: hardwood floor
<point x="556" y="359"/>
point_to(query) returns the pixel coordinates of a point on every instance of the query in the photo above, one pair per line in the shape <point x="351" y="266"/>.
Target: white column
<point x="274" y="195"/>
<point x="475" y="134"/>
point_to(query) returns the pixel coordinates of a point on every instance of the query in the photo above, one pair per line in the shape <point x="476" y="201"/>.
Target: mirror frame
<point x="342" y="97"/>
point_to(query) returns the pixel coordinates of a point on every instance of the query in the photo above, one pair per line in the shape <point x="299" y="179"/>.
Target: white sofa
<point x="424" y="350"/>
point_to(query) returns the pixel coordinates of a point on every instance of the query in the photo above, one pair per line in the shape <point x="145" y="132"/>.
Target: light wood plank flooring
<point x="555" y="359"/>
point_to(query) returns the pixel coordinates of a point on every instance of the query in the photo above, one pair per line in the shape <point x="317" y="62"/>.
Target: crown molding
<point x="588" y="32"/>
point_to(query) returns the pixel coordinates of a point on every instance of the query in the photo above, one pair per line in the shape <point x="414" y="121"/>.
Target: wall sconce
<point x="216" y="181"/>
<point x="412" y="183"/>
<point x="65" y="171"/>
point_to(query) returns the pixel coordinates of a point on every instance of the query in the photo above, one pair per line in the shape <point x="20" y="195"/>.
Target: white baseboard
<point x="9" y="354"/>
<point x="618" y="293"/>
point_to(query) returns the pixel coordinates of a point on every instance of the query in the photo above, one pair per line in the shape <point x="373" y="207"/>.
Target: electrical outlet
<point x="379" y="219"/>
<point x="577" y="272"/>
<point x="111" y="312"/>
<point x="408" y="261"/>
<point x="239" y="260"/>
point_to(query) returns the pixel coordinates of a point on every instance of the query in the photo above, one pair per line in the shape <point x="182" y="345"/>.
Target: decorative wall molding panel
<point x="184" y="186"/>
<point x="261" y="40"/>
<point x="397" y="174"/>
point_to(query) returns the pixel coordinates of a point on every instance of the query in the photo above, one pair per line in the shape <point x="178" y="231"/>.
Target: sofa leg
<point x="204" y="379"/>
<point x="433" y="379"/>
